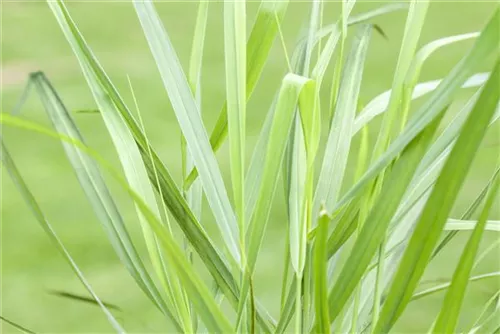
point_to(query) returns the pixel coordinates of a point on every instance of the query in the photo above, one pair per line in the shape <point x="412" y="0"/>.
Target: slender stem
<point x="298" y="306"/>
<point x="286" y="268"/>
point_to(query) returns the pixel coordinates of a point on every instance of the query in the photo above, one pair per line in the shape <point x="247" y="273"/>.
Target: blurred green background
<point x="31" y="40"/>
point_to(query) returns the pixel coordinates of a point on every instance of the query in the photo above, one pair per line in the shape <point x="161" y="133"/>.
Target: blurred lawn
<point x="32" y="41"/>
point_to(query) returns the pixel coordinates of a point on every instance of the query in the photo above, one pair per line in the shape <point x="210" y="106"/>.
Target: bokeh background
<point x="31" y="41"/>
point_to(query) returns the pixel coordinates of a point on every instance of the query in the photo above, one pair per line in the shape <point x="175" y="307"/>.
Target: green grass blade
<point x="416" y="66"/>
<point x="235" y="69"/>
<point x="320" y="276"/>
<point x="96" y="190"/>
<point x="425" y="52"/>
<point x="194" y="194"/>
<point x="374" y="228"/>
<point x="83" y="299"/>
<point x="445" y="286"/>
<point x="298" y="169"/>
<point x="435" y="213"/>
<point x="20" y="328"/>
<point x="442" y="96"/>
<point x="235" y="60"/>
<point x="195" y="62"/>
<point x="363" y="158"/>
<point x="189" y="119"/>
<point x="16" y="177"/>
<point x="339" y="138"/>
<point x="448" y="316"/>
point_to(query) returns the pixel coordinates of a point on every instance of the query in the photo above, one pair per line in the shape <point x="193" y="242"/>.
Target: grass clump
<point x="354" y="258"/>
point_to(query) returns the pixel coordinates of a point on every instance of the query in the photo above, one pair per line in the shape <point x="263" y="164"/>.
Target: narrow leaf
<point x="445" y="286"/>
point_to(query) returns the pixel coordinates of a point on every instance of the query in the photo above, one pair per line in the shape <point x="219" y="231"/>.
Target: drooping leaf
<point x="18" y="180"/>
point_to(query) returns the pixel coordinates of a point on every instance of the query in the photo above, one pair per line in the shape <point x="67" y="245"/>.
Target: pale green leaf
<point x="235" y="60"/>
<point x="468" y="225"/>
